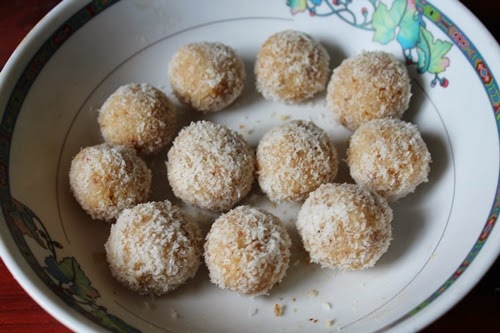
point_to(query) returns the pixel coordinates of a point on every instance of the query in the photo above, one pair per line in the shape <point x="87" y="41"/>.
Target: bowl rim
<point x="9" y="252"/>
<point x="483" y="258"/>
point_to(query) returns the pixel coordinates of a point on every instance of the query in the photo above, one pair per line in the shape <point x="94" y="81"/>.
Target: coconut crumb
<point x="371" y="85"/>
<point x="329" y="323"/>
<point x="253" y="311"/>
<point x="389" y="157"/>
<point x="313" y="293"/>
<point x="210" y="166"/>
<point x="326" y="306"/>
<point x="350" y="215"/>
<point x="278" y="309"/>
<point x="174" y="314"/>
<point x="157" y="241"/>
<point x="207" y="76"/>
<point x="294" y="159"/>
<point x="291" y="67"/>
<point x="138" y="116"/>
<point x="284" y="117"/>
<point x="247" y="251"/>
<point x="105" y="180"/>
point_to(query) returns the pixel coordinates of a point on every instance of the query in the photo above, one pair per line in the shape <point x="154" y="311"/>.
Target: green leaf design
<point x="409" y="28"/>
<point x="385" y="21"/>
<point x="297" y="6"/>
<point x="24" y="219"/>
<point x="71" y="278"/>
<point x="424" y="54"/>
<point x="431" y="54"/>
<point x="113" y="323"/>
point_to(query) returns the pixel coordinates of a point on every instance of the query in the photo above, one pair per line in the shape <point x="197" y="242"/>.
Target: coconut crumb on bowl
<point x="153" y="248"/>
<point x="371" y="85"/>
<point x="106" y="180"/>
<point x="344" y="226"/>
<point x="389" y="157"/>
<point x="278" y="310"/>
<point x="291" y="67"/>
<point x="313" y="293"/>
<point x="138" y="116"/>
<point x="247" y="251"/>
<point x="294" y="159"/>
<point x="210" y="166"/>
<point x="207" y="76"/>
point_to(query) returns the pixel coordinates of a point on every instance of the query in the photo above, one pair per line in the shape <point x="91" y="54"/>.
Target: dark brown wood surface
<point x="479" y="311"/>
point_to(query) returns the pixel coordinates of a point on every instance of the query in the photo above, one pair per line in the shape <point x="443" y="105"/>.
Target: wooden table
<point x="478" y="311"/>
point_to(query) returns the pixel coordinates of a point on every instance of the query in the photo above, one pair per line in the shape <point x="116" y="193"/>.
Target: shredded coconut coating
<point x="105" y="180"/>
<point x="344" y="226"/>
<point x="247" y="251"/>
<point x="388" y="156"/>
<point x="210" y="166"/>
<point x="207" y="76"/>
<point x="291" y="67"/>
<point x="371" y="85"/>
<point x="138" y="116"/>
<point x="294" y="159"/>
<point x="153" y="248"/>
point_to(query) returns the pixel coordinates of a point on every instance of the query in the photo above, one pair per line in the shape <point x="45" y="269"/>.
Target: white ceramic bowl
<point x="445" y="236"/>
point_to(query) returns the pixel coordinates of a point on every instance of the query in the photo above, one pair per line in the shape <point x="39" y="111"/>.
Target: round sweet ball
<point x="210" y="166"/>
<point x="294" y="159"/>
<point x="138" y="116"/>
<point x="247" y="251"/>
<point x="153" y="248"/>
<point x="388" y="156"/>
<point x="372" y="85"/>
<point x="291" y="67"/>
<point x="207" y="76"/>
<point x="105" y="180"/>
<point x="344" y="226"/>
